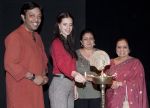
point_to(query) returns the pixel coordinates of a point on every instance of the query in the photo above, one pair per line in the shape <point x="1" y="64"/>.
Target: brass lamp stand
<point x="100" y="60"/>
<point x="103" y="81"/>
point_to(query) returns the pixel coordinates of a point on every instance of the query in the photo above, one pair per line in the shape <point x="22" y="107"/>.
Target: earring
<point x="81" y="44"/>
<point x="93" y="44"/>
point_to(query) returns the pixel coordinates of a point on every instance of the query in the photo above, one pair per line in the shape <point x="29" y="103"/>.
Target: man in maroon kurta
<point x="25" y="62"/>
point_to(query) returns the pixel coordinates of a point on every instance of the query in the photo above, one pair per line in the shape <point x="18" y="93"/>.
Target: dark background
<point x="109" y="19"/>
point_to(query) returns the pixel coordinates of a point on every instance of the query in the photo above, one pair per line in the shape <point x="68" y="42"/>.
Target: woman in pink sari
<point x="129" y="80"/>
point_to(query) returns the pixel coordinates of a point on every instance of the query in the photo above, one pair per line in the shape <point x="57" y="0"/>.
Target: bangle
<point x="33" y="77"/>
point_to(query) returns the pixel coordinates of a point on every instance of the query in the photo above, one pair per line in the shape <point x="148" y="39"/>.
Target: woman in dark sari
<point x="129" y="81"/>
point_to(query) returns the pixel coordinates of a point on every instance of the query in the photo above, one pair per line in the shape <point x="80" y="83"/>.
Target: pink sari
<point x="130" y="73"/>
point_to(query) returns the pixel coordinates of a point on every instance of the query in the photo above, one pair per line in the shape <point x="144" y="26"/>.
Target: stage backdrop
<point x="10" y="20"/>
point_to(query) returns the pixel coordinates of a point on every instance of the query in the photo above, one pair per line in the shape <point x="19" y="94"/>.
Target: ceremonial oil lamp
<point x="100" y="60"/>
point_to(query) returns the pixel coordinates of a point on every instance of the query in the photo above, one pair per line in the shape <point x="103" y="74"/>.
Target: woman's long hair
<point x="68" y="42"/>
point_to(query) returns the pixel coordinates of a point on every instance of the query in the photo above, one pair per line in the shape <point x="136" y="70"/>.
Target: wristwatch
<point x="33" y="77"/>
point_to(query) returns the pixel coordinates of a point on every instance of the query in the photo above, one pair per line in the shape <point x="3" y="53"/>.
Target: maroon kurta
<point x="24" y="55"/>
<point x="131" y="74"/>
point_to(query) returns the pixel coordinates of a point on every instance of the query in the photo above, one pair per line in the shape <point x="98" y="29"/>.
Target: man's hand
<point x="39" y="80"/>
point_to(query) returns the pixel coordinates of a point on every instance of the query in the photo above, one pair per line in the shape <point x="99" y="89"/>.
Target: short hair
<point x="28" y="6"/>
<point x="87" y="30"/>
<point x="122" y="38"/>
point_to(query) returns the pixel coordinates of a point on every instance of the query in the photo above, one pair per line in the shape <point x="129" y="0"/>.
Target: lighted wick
<point x="85" y="74"/>
<point x="103" y="74"/>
